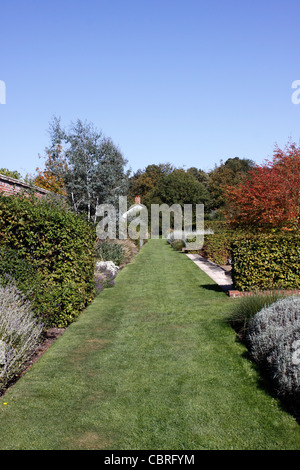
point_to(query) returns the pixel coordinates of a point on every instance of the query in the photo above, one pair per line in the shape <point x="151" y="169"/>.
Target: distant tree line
<point x="163" y="183"/>
<point x="88" y="169"/>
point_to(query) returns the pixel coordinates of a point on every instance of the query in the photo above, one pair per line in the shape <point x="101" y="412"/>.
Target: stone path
<point x="215" y="272"/>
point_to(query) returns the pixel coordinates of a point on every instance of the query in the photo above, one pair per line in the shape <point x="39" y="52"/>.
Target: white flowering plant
<point x="108" y="267"/>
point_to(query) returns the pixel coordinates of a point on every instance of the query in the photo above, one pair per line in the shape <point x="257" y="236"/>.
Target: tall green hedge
<point x="59" y="245"/>
<point x="266" y="261"/>
<point x="216" y="246"/>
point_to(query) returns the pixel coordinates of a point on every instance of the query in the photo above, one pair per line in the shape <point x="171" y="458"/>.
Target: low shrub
<point x="274" y="339"/>
<point x="111" y="256"/>
<point x="284" y="364"/>
<point x="129" y="249"/>
<point x="103" y="280"/>
<point x="20" y="333"/>
<point x="108" y="250"/>
<point x="178" y="245"/>
<point x="107" y="267"/>
<point x="270" y="325"/>
<point x="105" y="273"/>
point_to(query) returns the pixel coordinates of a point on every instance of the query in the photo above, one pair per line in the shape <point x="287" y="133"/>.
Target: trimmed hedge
<point x="217" y="246"/>
<point x="15" y="267"/>
<point x="266" y="261"/>
<point x="60" y="246"/>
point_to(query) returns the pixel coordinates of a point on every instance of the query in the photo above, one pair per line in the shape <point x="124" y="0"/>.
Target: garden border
<point x="224" y="280"/>
<point x="237" y="293"/>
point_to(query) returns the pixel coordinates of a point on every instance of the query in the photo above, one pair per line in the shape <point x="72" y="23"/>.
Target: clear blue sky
<point x="188" y="82"/>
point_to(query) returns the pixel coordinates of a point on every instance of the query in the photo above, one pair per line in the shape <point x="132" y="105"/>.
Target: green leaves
<point x="266" y="261"/>
<point x="90" y="166"/>
<point x="58" y="246"/>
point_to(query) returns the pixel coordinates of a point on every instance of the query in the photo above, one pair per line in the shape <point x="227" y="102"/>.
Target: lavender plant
<point x="20" y="333"/>
<point x="284" y="364"/>
<point x="271" y="324"/>
<point x="105" y="273"/>
<point x="103" y="280"/>
<point x="274" y="338"/>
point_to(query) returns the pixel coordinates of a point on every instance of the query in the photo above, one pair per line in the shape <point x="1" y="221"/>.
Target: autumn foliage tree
<point x="269" y="197"/>
<point x="50" y="177"/>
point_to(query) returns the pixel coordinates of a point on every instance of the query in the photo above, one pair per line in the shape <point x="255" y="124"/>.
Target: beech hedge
<point x="266" y="261"/>
<point x="217" y="246"/>
<point x="59" y="245"/>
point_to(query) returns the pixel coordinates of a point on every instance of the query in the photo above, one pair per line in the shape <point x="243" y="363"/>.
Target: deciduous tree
<point x="88" y="165"/>
<point x="270" y="197"/>
<point x="232" y="172"/>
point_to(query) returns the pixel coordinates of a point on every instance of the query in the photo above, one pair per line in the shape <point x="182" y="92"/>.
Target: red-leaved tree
<point x="269" y="198"/>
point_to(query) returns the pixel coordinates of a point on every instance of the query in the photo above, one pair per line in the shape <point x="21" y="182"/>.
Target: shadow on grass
<point x="212" y="287"/>
<point x="264" y="381"/>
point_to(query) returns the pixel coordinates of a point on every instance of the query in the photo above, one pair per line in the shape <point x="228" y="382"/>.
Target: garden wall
<point x="10" y="186"/>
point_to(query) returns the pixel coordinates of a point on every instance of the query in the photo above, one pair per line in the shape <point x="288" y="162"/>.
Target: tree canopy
<point x="269" y="198"/>
<point x="179" y="187"/>
<point x="83" y="164"/>
<point x="232" y="172"/>
<point x="11" y="173"/>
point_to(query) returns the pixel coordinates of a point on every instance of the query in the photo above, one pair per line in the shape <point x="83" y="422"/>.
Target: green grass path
<point x="151" y="364"/>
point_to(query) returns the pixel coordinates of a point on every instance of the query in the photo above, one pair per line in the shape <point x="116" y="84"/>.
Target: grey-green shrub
<point x="271" y="324"/>
<point x="274" y="338"/>
<point x="20" y="333"/>
<point x="107" y="250"/>
<point x="284" y="364"/>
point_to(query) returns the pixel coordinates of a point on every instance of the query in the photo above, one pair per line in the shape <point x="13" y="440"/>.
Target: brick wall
<point x="10" y="186"/>
<point x="236" y="293"/>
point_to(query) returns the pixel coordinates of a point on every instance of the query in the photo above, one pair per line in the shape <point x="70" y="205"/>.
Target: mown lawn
<point x="151" y="364"/>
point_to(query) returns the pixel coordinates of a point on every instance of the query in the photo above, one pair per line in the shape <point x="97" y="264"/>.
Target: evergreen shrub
<point x="178" y="245"/>
<point x="14" y="266"/>
<point x="266" y="261"/>
<point x="217" y="247"/>
<point x="59" y="245"/>
<point x="274" y="343"/>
